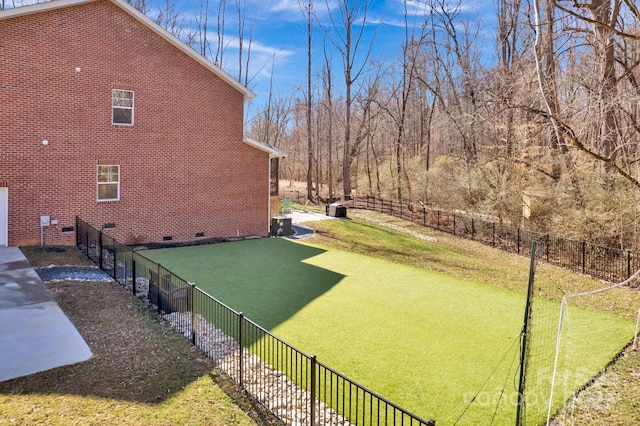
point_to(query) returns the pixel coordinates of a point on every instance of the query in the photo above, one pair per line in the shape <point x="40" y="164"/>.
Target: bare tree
<point x="202" y="26"/>
<point x="142" y="5"/>
<point x="244" y="37"/>
<point x="328" y="107"/>
<point x="607" y="24"/>
<point x="307" y="8"/>
<point x="347" y="36"/>
<point x="412" y="44"/>
<point x="272" y="123"/>
<point x="452" y="74"/>
<point x="218" y="57"/>
<point x="169" y="19"/>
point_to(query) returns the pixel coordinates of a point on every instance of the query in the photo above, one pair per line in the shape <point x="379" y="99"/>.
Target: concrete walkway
<point x="35" y="335"/>
<point x="298" y="217"/>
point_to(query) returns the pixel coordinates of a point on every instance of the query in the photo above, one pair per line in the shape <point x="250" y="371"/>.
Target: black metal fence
<point x="606" y="263"/>
<point x="295" y="386"/>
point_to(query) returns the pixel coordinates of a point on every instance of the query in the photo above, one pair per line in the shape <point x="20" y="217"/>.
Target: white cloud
<point x="233" y="42"/>
<point x="285" y="6"/>
<point x="422" y="7"/>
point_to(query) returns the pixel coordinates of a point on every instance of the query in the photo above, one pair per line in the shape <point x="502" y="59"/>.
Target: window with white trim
<point x="108" y="183"/>
<point x="274" y="182"/>
<point x="122" y="107"/>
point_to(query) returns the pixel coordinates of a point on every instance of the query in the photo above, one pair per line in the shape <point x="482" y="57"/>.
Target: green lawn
<point x="427" y="341"/>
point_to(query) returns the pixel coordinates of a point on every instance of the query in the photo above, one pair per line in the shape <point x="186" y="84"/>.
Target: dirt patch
<point x="142" y="372"/>
<point x="55" y="255"/>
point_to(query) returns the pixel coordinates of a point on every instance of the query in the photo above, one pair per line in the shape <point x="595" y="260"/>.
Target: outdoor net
<point x="570" y="336"/>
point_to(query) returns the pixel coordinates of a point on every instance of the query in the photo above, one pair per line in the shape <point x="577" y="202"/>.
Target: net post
<point x="520" y="409"/>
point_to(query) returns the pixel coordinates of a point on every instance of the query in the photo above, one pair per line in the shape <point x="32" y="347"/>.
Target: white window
<point x="108" y="183"/>
<point x="122" y="107"/>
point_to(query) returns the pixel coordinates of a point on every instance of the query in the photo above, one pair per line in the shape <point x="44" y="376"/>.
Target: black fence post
<point x="100" y="250"/>
<point x="313" y="390"/>
<point x="192" y="308"/>
<point x="159" y="278"/>
<point x="240" y="346"/>
<point x="424" y="216"/>
<point x="133" y="275"/>
<point x="493" y="234"/>
<point x="438" y="220"/>
<point x="584" y="256"/>
<point x="548" y="241"/>
<point x="454" y="224"/>
<point x="115" y="260"/>
<point x="473" y="229"/>
<point x="628" y="265"/>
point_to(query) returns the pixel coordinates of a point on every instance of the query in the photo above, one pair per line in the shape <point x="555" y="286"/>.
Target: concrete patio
<point x="35" y="335"/>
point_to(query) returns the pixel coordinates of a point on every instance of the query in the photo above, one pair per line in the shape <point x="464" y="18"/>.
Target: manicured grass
<point x="428" y="341"/>
<point x="266" y="279"/>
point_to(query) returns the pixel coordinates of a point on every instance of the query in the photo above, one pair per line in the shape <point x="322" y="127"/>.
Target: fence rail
<point x="295" y="386"/>
<point x="606" y="263"/>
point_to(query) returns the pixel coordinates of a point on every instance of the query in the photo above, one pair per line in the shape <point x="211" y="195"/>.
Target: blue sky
<point x="279" y="48"/>
<point x="279" y="40"/>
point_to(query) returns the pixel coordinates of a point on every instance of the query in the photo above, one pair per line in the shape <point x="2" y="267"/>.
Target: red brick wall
<point x="183" y="166"/>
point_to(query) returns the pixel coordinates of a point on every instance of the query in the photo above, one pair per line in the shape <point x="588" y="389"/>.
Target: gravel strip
<point x="392" y="226"/>
<point x="74" y="273"/>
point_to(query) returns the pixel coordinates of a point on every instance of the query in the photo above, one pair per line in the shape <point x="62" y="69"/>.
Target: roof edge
<point x="14" y="12"/>
<point x="263" y="146"/>
<point x="144" y="19"/>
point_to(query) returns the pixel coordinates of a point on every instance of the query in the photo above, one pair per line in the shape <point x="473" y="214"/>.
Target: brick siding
<point x="183" y="166"/>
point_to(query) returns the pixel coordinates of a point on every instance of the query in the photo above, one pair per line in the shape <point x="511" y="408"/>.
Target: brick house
<point x="108" y="117"/>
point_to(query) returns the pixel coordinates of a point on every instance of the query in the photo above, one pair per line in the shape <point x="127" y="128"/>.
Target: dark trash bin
<point x="337" y="210"/>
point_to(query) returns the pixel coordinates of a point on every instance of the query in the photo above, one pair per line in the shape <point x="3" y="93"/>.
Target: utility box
<point x="281" y="226"/>
<point x="337" y="210"/>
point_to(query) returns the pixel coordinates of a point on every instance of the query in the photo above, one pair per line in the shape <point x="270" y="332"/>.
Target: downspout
<point x="269" y="196"/>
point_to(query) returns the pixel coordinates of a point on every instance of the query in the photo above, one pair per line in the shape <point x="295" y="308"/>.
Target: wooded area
<point x="530" y="118"/>
<point x="543" y="133"/>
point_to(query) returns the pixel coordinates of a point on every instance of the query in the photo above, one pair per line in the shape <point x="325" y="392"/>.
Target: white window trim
<point x="98" y="183"/>
<point x="132" y="107"/>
